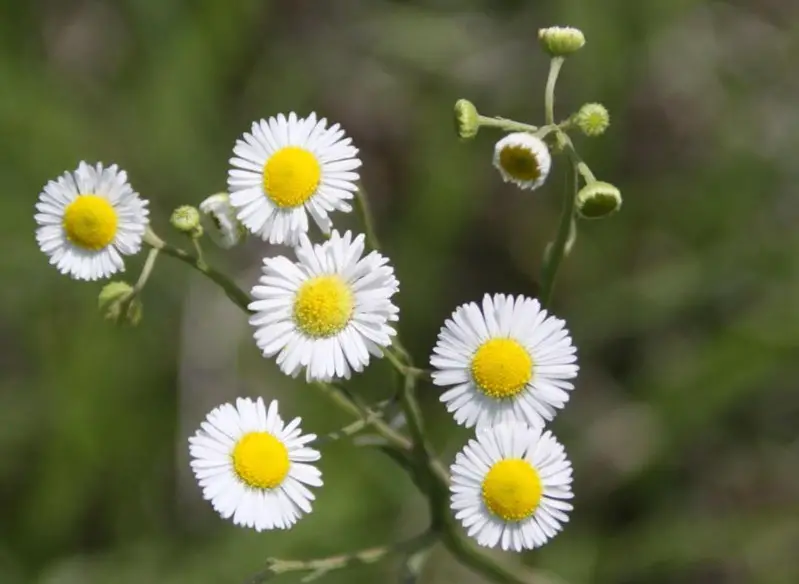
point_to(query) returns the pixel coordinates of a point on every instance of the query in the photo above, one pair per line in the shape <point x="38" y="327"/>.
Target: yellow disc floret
<point x="260" y="460"/>
<point x="501" y="368"/>
<point x="512" y="489"/>
<point x="520" y="163"/>
<point x="90" y="222"/>
<point x="291" y="176"/>
<point x="323" y="306"/>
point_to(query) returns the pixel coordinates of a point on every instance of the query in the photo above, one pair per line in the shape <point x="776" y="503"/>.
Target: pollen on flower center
<point x="260" y="460"/>
<point x="323" y="306"/>
<point x="90" y="222"/>
<point x="520" y="163"/>
<point x="512" y="489"/>
<point x="501" y="368"/>
<point x="291" y="176"/>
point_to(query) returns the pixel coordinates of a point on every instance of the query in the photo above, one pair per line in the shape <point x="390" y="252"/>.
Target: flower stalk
<point x="429" y="473"/>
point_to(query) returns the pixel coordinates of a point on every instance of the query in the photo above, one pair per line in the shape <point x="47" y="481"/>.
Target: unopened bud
<point x="592" y="119"/>
<point x="186" y="219"/>
<point x="560" y="41"/>
<point x="220" y="220"/>
<point x="598" y="199"/>
<point x="119" y="304"/>
<point x="467" y="120"/>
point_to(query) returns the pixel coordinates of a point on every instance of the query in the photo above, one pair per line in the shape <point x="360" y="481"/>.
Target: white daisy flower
<point x="253" y="467"/>
<point x="327" y="312"/>
<point x="88" y="219"/>
<point x="285" y="169"/>
<point x="508" y="487"/>
<point x="523" y="159"/>
<point x="510" y="361"/>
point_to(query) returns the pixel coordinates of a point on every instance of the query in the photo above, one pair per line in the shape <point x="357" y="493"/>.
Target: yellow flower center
<point x="291" y="176"/>
<point x="323" y="306"/>
<point x="260" y="460"/>
<point x="501" y="368"/>
<point x="90" y="222"/>
<point x="512" y="489"/>
<point x="519" y="163"/>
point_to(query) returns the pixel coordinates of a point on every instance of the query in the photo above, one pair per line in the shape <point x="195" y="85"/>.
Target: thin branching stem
<point x="412" y="454"/>
<point x="239" y="297"/>
<point x="557" y="250"/>
<point x="318" y="567"/>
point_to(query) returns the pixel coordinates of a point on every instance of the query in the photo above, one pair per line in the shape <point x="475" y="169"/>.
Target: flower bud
<point x="560" y="41"/>
<point x="592" y="119"/>
<point x="598" y="199"/>
<point x="219" y="217"/>
<point x="119" y="304"/>
<point x="186" y="219"/>
<point x="467" y="120"/>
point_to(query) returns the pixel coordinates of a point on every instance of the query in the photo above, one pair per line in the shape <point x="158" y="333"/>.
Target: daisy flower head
<point x="253" y="467"/>
<point x="88" y="219"/>
<point x="523" y="159"/>
<point x="220" y="221"/>
<point x="508" y="361"/>
<point x="327" y="312"/>
<point x="285" y="169"/>
<point x="510" y="487"/>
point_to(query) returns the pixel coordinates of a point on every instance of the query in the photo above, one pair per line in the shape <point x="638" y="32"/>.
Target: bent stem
<point x="566" y="231"/>
<point x="149" y="264"/>
<point x="239" y="297"/>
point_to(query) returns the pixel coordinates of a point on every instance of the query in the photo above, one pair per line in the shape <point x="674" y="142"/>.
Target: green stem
<point x="366" y="217"/>
<point x="549" y="96"/>
<point x="349" y="404"/>
<point x="369" y="418"/>
<point x="198" y="247"/>
<point x="149" y="263"/>
<point x="319" y="567"/>
<point x="431" y="475"/>
<point x="558" y="247"/>
<point x="471" y="556"/>
<point x="505" y="124"/>
<point x="239" y="297"/>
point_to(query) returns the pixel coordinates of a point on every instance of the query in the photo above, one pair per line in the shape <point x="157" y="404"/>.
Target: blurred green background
<point x="685" y="306"/>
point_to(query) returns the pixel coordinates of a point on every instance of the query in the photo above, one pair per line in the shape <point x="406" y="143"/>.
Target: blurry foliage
<point x="685" y="306"/>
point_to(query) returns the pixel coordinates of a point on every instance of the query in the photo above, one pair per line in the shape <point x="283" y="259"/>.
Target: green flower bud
<point x="220" y="221"/>
<point x="598" y="199"/>
<point x="186" y="219"/>
<point x="119" y="304"/>
<point x="560" y="41"/>
<point x="592" y="119"/>
<point x="467" y="120"/>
